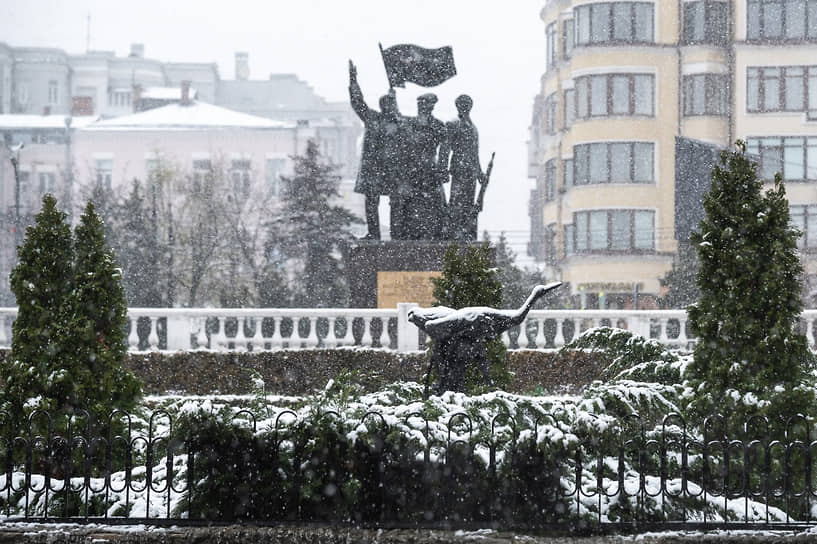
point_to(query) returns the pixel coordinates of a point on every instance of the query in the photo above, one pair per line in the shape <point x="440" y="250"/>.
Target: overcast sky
<point x="499" y="50"/>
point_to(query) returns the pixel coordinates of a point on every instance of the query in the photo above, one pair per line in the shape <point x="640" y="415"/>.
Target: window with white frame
<point x="804" y="217"/>
<point x="623" y="230"/>
<point x="795" y="157"/>
<point x="103" y="173"/>
<point x="705" y="94"/>
<point x="781" y="20"/>
<point x="570" y="107"/>
<point x="48" y="182"/>
<point x="613" y="162"/>
<point x="275" y="169"/>
<point x="550" y="180"/>
<point x="551" y="115"/>
<point x="614" y="22"/>
<point x="240" y="176"/>
<point x="606" y="95"/>
<point x="202" y="173"/>
<point x="53" y="92"/>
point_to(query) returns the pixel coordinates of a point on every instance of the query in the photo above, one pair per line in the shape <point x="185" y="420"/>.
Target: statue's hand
<point x="352" y="71"/>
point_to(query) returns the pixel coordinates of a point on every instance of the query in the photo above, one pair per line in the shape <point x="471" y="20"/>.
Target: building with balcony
<point x="635" y="98"/>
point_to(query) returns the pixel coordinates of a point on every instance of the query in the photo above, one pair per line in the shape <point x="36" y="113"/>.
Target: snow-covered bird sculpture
<point x="459" y="335"/>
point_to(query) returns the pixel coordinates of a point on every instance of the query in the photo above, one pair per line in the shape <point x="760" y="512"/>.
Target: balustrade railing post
<point x="257" y="335"/>
<point x="4" y="341"/>
<point x="133" y="335"/>
<point x="312" y="338"/>
<point x="366" y="340"/>
<point x="559" y="339"/>
<point x="201" y="333"/>
<point x="277" y="341"/>
<point x="541" y="340"/>
<point x="240" y="337"/>
<point x="222" y="342"/>
<point x="331" y="340"/>
<point x="408" y="335"/>
<point x="153" y="337"/>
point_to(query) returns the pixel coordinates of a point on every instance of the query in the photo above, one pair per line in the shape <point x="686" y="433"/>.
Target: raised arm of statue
<point x="356" y="95"/>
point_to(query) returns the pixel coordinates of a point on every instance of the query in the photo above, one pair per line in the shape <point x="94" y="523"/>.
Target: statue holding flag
<point x="407" y="158"/>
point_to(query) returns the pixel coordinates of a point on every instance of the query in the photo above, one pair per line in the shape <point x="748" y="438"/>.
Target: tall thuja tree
<point x="681" y="280"/>
<point x="138" y="249"/>
<point x="469" y="278"/>
<point x="92" y="336"/>
<point x="314" y="231"/>
<point x="750" y="358"/>
<point x="41" y="282"/>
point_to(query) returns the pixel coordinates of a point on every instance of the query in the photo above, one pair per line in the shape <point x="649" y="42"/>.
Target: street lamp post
<point x="14" y="157"/>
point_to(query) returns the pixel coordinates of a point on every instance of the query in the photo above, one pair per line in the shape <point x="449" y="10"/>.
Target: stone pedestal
<point x="384" y="273"/>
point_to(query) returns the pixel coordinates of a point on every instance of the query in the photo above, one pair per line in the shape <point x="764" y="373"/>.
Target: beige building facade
<point x="624" y="82"/>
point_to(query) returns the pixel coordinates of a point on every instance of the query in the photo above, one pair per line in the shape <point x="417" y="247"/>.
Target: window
<point x="202" y="173"/>
<point x="48" y="183"/>
<point x="795" y="157"/>
<point x="705" y="21"/>
<point x="550" y="39"/>
<point x="103" y="173"/>
<point x="275" y="169"/>
<point x="570" y="107"/>
<point x="615" y="94"/>
<point x="805" y="219"/>
<point x="781" y="20"/>
<point x="782" y="88"/>
<point x="25" y="183"/>
<point x="705" y="94"/>
<point x="53" y="92"/>
<point x="551" y="115"/>
<point x="613" y="162"/>
<point x="550" y="180"/>
<point x="568" y="173"/>
<point x="240" y="176"/>
<point x="119" y="97"/>
<point x="611" y="231"/>
<point x="613" y="22"/>
<point x="551" y="253"/>
<point x="568" y="39"/>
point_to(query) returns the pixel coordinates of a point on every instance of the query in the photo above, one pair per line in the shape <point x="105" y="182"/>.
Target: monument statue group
<point x="410" y="159"/>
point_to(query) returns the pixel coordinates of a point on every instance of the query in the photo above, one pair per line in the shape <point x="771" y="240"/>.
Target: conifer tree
<point x="681" y="280"/>
<point x="138" y="250"/>
<point x="314" y="231"/>
<point x="749" y="357"/>
<point x="469" y="278"/>
<point x="41" y="281"/>
<point x="93" y="337"/>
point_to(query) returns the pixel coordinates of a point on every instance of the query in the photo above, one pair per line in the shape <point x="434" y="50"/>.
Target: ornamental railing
<point x="224" y="329"/>
<point x="409" y="472"/>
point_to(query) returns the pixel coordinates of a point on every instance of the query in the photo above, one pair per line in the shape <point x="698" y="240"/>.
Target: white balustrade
<point x="187" y="328"/>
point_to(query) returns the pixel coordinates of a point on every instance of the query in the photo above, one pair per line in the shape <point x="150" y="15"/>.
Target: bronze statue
<point x="381" y="158"/>
<point x="459" y="336"/>
<point x="410" y="158"/>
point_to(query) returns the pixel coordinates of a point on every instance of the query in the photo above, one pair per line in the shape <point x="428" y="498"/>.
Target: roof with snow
<point x="196" y="115"/>
<point x="27" y="121"/>
<point x="165" y="93"/>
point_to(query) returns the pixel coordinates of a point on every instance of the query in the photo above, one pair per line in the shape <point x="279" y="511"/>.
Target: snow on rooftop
<point x="28" y="121"/>
<point x="190" y="117"/>
<point x="165" y="93"/>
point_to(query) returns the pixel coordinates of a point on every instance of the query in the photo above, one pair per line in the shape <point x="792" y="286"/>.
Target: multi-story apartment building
<point x="627" y="86"/>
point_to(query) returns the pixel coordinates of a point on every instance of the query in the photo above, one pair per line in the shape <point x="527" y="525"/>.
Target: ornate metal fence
<point x="363" y="471"/>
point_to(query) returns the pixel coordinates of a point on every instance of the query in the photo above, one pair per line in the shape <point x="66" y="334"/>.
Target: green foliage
<point x="750" y="357"/>
<point x="625" y="355"/>
<point x="680" y="281"/>
<point x="33" y="374"/>
<point x="313" y="231"/>
<point x="68" y="341"/>
<point x="469" y="278"/>
<point x="138" y="249"/>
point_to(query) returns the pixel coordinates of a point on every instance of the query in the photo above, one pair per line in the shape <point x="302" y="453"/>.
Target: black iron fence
<point x="381" y="471"/>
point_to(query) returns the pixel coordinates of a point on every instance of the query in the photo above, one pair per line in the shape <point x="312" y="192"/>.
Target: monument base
<point x="383" y="273"/>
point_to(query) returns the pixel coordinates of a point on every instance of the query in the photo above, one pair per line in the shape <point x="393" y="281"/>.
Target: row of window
<point x="239" y="172"/>
<point x="603" y="162"/>
<point x="704" y="21"/>
<point x="781" y="88"/>
<point x="610" y="231"/>
<point x="775" y="20"/>
<point x="795" y="157"/>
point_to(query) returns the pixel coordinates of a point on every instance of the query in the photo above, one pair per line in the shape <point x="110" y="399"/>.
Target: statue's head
<point x="425" y="103"/>
<point x="464" y="103"/>
<point x="388" y="104"/>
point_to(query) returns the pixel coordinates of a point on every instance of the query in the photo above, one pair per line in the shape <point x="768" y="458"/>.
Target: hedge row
<point x="299" y="372"/>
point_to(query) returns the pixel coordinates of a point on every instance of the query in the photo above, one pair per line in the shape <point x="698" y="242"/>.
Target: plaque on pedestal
<point x="381" y="274"/>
